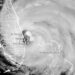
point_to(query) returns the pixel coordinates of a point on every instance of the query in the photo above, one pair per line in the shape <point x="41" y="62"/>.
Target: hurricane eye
<point x="27" y="37"/>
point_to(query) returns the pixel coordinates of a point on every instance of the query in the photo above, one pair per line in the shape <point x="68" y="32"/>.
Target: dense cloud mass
<point x="37" y="37"/>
